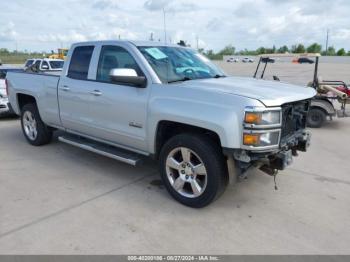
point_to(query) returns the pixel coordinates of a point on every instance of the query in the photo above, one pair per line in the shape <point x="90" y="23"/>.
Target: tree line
<point x="229" y="50"/>
<point x="299" y="48"/>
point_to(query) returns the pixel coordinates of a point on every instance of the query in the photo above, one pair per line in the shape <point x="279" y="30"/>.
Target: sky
<point x="42" y="25"/>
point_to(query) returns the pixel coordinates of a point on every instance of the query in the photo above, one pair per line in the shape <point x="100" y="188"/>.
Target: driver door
<point x="119" y="110"/>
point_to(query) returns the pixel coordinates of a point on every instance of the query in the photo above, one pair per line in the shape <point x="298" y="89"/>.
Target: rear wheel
<point x="316" y="117"/>
<point x="193" y="169"/>
<point x="34" y="129"/>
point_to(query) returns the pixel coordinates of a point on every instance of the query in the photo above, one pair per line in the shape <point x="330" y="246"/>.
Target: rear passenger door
<point x="74" y="92"/>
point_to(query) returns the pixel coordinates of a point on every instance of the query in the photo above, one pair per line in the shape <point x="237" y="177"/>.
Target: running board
<point x="119" y="154"/>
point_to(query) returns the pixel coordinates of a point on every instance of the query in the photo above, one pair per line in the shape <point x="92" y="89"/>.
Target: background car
<point x="5" y="108"/>
<point x="247" y="60"/>
<point x="45" y="64"/>
<point x="232" y="60"/>
<point x="305" y="60"/>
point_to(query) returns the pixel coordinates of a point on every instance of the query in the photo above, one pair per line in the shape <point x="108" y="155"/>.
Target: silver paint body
<point x="128" y="117"/>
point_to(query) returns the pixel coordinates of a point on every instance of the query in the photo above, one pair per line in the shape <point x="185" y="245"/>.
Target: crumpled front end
<point x="272" y="137"/>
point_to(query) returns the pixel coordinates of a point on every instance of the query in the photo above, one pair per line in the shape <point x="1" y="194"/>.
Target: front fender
<point x="323" y="104"/>
<point x="219" y="119"/>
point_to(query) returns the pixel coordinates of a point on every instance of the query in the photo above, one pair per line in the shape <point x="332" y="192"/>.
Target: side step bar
<point x="119" y="154"/>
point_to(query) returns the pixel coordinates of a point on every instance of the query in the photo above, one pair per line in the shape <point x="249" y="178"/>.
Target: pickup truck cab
<point x="130" y="100"/>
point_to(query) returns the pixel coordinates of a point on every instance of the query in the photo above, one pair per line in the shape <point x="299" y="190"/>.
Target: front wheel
<point x="34" y="129"/>
<point x="316" y="117"/>
<point x="193" y="169"/>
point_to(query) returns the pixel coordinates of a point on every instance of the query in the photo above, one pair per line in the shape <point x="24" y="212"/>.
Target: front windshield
<point x="173" y="64"/>
<point x="56" y="64"/>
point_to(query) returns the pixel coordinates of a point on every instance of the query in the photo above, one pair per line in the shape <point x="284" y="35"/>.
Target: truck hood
<point x="270" y="93"/>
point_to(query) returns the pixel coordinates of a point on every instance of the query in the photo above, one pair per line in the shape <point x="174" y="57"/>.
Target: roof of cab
<point x="136" y="43"/>
<point x="45" y="59"/>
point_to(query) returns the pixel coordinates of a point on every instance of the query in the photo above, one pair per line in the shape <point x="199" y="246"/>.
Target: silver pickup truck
<point x="131" y="100"/>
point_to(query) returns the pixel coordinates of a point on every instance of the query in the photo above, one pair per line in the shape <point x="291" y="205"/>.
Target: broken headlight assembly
<point x="262" y="127"/>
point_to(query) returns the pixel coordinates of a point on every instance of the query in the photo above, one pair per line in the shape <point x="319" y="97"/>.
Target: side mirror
<point x="45" y="67"/>
<point x="127" y="76"/>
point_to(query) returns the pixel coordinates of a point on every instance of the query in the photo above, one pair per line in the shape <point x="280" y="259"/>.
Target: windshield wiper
<point x="219" y="76"/>
<point x="180" y="80"/>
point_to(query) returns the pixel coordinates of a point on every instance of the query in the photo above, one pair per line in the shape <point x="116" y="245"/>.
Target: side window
<point x="45" y="65"/>
<point x="37" y="63"/>
<point x="114" y="57"/>
<point x="80" y="62"/>
<point x="28" y="63"/>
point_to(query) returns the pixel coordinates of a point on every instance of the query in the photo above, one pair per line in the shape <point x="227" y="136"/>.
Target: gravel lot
<point x="58" y="199"/>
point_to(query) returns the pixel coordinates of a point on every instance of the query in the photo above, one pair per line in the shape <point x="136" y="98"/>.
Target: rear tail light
<point x="7" y="87"/>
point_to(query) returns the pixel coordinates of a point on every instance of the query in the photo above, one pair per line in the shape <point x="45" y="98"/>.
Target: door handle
<point x="65" y="88"/>
<point x="96" y="93"/>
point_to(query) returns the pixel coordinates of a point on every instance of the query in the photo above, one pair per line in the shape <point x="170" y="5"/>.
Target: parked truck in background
<point x="45" y="64"/>
<point x="5" y="107"/>
<point x="130" y="100"/>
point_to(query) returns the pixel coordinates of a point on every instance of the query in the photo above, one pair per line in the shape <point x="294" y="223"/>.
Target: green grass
<point x="17" y="58"/>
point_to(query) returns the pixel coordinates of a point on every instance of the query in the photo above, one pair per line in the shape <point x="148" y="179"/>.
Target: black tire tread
<point x="44" y="133"/>
<point x="312" y="111"/>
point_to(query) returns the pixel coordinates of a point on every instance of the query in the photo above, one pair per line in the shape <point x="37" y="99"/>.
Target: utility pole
<point x="327" y="38"/>
<point x="151" y="37"/>
<point x="197" y="42"/>
<point x="164" y="25"/>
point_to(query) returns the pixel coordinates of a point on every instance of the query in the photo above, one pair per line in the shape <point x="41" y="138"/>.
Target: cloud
<point x="155" y="5"/>
<point x="342" y="34"/>
<point x="74" y="36"/>
<point x="247" y="10"/>
<point x="71" y="36"/>
<point x="215" y="24"/>
<point x="117" y="20"/>
<point x="242" y="23"/>
<point x="171" y="6"/>
<point x="8" y="33"/>
<point x="105" y="4"/>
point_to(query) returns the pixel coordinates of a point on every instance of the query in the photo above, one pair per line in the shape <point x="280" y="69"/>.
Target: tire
<point x="185" y="180"/>
<point x="34" y="129"/>
<point x="316" y="117"/>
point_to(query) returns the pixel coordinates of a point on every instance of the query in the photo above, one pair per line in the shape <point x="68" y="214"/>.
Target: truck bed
<point x="42" y="86"/>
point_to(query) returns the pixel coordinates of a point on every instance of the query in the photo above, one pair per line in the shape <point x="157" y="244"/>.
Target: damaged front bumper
<point x="271" y="161"/>
<point x="271" y="146"/>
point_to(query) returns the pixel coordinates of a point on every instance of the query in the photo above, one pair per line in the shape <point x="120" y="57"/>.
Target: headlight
<point x="262" y="117"/>
<point x="261" y="139"/>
